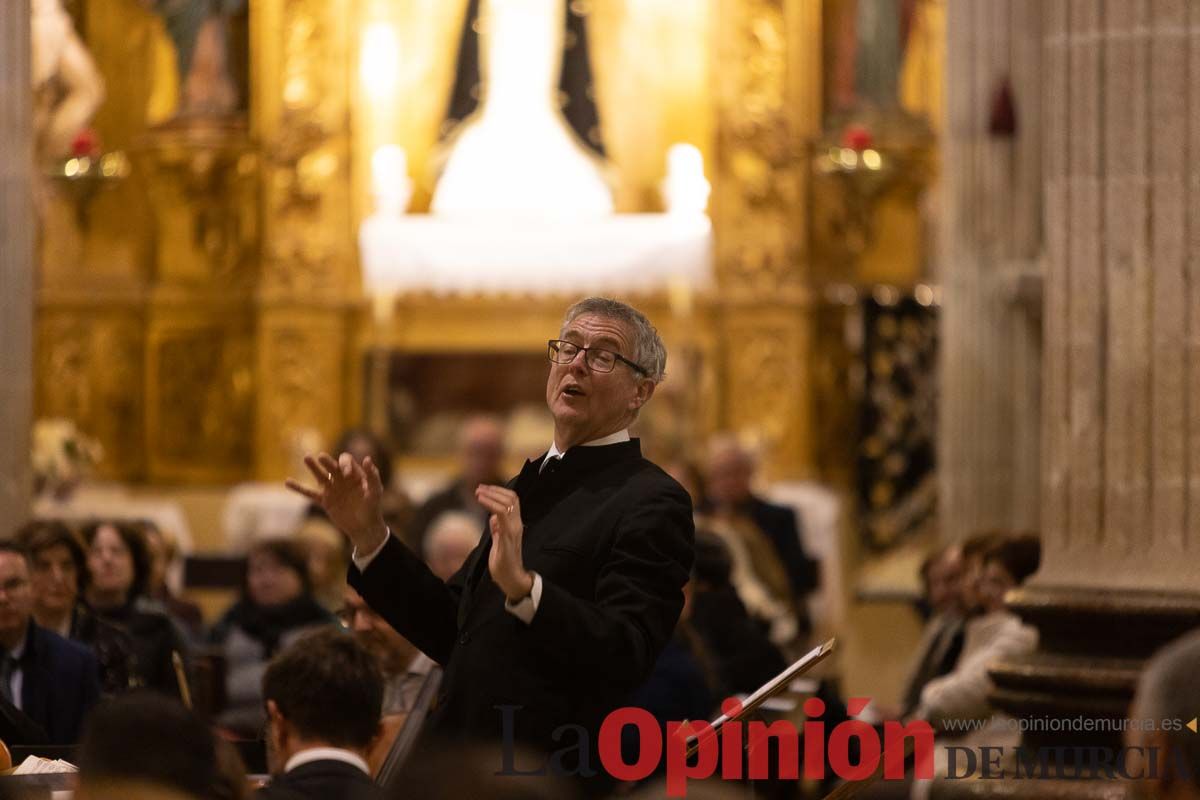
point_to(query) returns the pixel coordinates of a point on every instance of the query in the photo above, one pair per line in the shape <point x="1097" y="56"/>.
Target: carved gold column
<point x="202" y="182"/>
<point x="767" y="74"/>
<point x="303" y="67"/>
<point x="16" y="262"/>
<point x="95" y="259"/>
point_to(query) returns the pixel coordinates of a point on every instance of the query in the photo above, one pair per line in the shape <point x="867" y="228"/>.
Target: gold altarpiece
<point x="199" y="315"/>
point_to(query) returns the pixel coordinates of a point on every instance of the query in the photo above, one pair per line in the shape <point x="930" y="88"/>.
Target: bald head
<point x="728" y="471"/>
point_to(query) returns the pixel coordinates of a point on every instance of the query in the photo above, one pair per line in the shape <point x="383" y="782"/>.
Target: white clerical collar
<point x="613" y="438"/>
<point x="326" y="754"/>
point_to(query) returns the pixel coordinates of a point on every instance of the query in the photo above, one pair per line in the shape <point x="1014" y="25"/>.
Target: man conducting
<point x="564" y="606"/>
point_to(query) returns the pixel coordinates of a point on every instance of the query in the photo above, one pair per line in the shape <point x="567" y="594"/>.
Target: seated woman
<point x="277" y="605"/>
<point x="59" y="575"/>
<point x="119" y="573"/>
<point x="991" y="635"/>
<point x="164" y="552"/>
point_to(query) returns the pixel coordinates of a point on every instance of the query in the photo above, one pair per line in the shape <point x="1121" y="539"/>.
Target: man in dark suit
<point x="324" y="695"/>
<point x="480" y="457"/>
<point x="54" y="682"/>
<point x="576" y="586"/>
<point x="728" y="476"/>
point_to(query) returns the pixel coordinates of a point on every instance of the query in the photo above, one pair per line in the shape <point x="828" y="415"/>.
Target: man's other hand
<point x="350" y="494"/>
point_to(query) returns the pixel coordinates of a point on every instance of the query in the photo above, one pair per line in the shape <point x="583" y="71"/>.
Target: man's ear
<point x="645" y="390"/>
<point x="276" y="722"/>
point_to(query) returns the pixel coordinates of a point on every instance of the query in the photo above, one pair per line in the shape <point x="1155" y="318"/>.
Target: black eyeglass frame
<point x="554" y="345"/>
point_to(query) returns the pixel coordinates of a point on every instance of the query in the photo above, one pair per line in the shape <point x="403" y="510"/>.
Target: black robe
<point x="611" y="535"/>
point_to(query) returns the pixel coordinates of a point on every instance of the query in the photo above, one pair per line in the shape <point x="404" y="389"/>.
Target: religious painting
<point x="884" y="58"/>
<point x="209" y="40"/>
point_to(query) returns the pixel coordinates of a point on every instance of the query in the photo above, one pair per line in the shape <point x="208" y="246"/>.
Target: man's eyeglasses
<point x="597" y="358"/>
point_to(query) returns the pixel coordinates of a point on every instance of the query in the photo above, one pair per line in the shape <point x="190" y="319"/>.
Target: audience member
<point x="770" y="532"/>
<point x="164" y="552"/>
<point x="993" y="563"/>
<point x="146" y="745"/>
<point x="118" y="576"/>
<point x="480" y="456"/>
<point x="324" y="696"/>
<point x="450" y="539"/>
<point x="328" y="558"/>
<point x="743" y="656"/>
<point x="973" y="550"/>
<point x="775" y="612"/>
<point x="59" y="575"/>
<point x="51" y="680"/>
<point x="1168" y="690"/>
<point x="993" y="633"/>
<point x="942" y="639"/>
<point x="276" y="607"/>
<point x="405" y="669"/>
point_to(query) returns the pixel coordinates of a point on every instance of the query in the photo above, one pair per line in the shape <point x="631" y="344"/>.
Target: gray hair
<point x="449" y="528"/>
<point x="1168" y="690"/>
<point x="649" y="352"/>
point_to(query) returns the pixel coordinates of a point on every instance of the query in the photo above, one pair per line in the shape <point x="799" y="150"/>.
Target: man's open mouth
<point x="573" y="391"/>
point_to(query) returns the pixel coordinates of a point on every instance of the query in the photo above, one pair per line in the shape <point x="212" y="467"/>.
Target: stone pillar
<point x="1122" y="392"/>
<point x="16" y="263"/>
<point x="988" y="266"/>
<point x="1121" y="377"/>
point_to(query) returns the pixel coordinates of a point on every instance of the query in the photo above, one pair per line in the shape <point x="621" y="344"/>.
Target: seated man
<point x="323" y="696"/>
<point x="771" y="532"/>
<point x="58" y="579"/>
<point x="480" y="457"/>
<point x="55" y="682"/>
<point x="942" y="640"/>
<point x="1168" y="690"/>
<point x="405" y="669"/>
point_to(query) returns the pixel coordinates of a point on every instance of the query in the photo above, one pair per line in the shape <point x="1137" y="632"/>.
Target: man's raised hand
<point x="350" y="494"/>
<point x="505" y="562"/>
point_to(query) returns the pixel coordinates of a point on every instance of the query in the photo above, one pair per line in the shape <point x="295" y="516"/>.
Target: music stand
<point x="764" y="693"/>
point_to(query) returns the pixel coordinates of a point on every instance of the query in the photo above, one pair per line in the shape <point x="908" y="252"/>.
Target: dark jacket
<point x="322" y="780"/>
<point x="155" y="637"/>
<point x="744" y="657"/>
<point x="611" y="535"/>
<point x="779" y="525"/>
<point x="60" y="683"/>
<point x="112" y="646"/>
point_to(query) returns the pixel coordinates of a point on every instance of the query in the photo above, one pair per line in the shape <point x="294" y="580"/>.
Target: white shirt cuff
<point x="364" y="561"/>
<point x="527" y="606"/>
